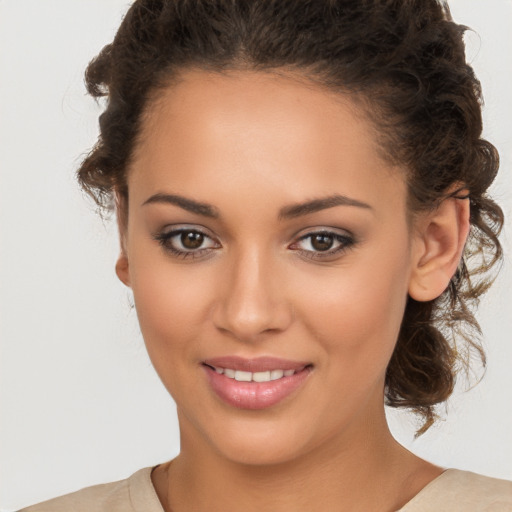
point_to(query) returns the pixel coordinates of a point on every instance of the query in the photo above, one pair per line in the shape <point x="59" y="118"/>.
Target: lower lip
<point x="254" y="395"/>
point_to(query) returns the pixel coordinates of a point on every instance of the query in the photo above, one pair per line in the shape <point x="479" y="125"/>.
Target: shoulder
<point x="134" y="494"/>
<point x="463" y="491"/>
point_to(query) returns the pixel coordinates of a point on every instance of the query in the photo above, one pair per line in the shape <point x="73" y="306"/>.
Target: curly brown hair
<point x="403" y="61"/>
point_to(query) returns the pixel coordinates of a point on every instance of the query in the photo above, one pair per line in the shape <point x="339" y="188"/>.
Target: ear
<point x="122" y="264"/>
<point x="438" y="245"/>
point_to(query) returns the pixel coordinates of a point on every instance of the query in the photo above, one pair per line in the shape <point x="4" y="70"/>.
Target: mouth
<point x="255" y="383"/>
<point x="265" y="376"/>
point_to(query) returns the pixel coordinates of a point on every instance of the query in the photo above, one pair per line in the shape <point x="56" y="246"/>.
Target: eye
<point x="323" y="244"/>
<point x="186" y="242"/>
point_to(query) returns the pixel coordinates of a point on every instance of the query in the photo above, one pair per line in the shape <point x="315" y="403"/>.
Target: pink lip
<point x="255" y="395"/>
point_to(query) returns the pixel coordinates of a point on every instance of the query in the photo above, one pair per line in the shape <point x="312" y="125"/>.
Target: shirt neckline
<point x="143" y="493"/>
<point x="419" y="496"/>
<point x="143" y="496"/>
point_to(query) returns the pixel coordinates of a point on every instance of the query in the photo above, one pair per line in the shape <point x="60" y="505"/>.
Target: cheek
<point x="357" y="315"/>
<point x="170" y="304"/>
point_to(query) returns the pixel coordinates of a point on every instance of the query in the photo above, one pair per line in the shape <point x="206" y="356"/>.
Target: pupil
<point x="192" y="240"/>
<point x="322" y="242"/>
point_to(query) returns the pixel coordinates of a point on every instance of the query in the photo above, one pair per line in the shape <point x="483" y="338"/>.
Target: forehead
<point x="279" y="103"/>
<point x="274" y="134"/>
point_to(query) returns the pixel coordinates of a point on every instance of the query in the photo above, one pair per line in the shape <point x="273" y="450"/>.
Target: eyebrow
<point x="204" y="209"/>
<point x="299" y="209"/>
<point x="287" y="212"/>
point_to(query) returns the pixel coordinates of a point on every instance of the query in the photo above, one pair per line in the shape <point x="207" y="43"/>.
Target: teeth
<point x="276" y="374"/>
<point x="261" y="376"/>
<point x="229" y="373"/>
<point x="242" y="376"/>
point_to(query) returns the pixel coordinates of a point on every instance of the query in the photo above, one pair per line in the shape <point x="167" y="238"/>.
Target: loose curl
<point x="403" y="62"/>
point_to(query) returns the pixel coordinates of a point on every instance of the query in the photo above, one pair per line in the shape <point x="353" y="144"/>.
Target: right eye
<point x="186" y="242"/>
<point x="324" y="244"/>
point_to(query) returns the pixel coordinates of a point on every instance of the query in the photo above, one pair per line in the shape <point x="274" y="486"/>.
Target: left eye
<point x="185" y="241"/>
<point x="190" y="240"/>
<point x="323" y="243"/>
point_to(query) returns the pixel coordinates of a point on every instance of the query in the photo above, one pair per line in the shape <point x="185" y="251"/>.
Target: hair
<point x="403" y="62"/>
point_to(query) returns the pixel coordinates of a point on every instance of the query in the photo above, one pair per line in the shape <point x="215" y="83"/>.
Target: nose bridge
<point x="252" y="301"/>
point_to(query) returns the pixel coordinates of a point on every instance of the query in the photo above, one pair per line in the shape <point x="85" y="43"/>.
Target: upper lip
<point x="258" y="364"/>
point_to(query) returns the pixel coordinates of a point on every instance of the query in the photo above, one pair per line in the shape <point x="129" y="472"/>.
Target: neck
<point x="365" y="469"/>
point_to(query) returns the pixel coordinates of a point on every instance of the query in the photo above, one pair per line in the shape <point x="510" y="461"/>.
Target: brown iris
<point x="192" y="239"/>
<point x="322" y="242"/>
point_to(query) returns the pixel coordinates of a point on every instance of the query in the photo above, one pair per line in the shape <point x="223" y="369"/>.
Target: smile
<point x="243" y="376"/>
<point x="255" y="383"/>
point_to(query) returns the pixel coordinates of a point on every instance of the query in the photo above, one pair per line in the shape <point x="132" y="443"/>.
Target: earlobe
<point x="122" y="264"/>
<point x="438" y="246"/>
<point x="123" y="269"/>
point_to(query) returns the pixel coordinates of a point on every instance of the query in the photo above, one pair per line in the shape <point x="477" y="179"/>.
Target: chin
<point x="257" y="453"/>
<point x="262" y="442"/>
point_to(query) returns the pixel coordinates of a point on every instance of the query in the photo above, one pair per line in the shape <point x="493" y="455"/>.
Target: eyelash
<point x="165" y="240"/>
<point x="345" y="242"/>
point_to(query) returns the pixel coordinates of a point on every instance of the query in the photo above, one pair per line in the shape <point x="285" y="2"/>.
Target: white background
<point x="80" y="403"/>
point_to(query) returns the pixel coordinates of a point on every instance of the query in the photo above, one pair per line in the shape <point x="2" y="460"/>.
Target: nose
<point x="252" y="302"/>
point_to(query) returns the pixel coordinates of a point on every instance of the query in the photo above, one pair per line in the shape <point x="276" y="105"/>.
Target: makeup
<point x="255" y="383"/>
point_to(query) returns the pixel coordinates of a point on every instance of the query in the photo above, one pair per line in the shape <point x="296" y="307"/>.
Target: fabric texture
<point x="462" y="491"/>
<point x="135" y="494"/>
<point x="452" y="491"/>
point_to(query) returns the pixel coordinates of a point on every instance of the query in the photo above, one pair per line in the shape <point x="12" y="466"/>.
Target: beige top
<point x="452" y="491"/>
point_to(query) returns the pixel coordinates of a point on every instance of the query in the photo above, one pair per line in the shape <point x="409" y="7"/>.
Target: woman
<point x="301" y="199"/>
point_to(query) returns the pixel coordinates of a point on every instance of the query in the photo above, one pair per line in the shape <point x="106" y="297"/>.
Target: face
<point x="269" y="254"/>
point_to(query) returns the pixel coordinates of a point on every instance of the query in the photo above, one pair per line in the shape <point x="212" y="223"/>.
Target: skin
<point x="250" y="144"/>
